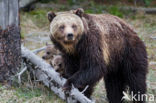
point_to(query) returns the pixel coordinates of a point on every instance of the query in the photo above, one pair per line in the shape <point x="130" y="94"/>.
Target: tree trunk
<point x="10" y="50"/>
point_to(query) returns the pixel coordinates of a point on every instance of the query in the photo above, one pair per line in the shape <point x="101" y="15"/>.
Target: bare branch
<point x="36" y="51"/>
<point x="85" y="89"/>
<point x="20" y="73"/>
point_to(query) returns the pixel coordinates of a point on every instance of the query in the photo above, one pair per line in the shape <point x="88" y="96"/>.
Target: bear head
<point x="49" y="52"/>
<point x="66" y="27"/>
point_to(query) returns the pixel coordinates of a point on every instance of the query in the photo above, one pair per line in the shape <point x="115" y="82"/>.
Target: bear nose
<point x="70" y="36"/>
<point x="43" y="57"/>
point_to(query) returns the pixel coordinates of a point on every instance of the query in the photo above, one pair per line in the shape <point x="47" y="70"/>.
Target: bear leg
<point x="137" y="84"/>
<point x="114" y="88"/>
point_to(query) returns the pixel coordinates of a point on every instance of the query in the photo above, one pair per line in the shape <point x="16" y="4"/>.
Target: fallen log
<point x="137" y="9"/>
<point x="45" y="73"/>
<point x="154" y="38"/>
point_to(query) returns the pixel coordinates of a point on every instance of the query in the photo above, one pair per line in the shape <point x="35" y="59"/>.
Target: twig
<point x="85" y="89"/>
<point x="20" y="73"/>
<point x="79" y="96"/>
<point x="36" y="51"/>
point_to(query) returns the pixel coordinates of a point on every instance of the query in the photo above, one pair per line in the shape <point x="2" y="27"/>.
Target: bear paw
<point x="67" y="86"/>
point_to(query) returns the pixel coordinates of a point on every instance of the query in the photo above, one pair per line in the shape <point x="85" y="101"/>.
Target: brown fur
<point x="57" y="63"/>
<point x="54" y="57"/>
<point x="61" y="35"/>
<point x="50" y="51"/>
<point x="108" y="47"/>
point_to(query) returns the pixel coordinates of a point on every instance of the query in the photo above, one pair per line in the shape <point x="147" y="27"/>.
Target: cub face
<point x="66" y="27"/>
<point x="49" y="52"/>
<point x="57" y="63"/>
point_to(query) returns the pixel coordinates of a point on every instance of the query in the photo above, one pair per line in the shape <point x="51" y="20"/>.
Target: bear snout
<point x="43" y="57"/>
<point x="70" y="36"/>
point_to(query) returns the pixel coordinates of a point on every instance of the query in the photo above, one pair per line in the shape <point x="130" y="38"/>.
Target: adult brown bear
<point x="96" y="46"/>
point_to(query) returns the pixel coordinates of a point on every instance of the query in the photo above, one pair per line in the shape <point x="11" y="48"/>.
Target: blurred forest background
<point x="141" y="14"/>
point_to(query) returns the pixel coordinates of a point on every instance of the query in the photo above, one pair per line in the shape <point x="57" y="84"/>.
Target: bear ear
<point x="51" y="16"/>
<point x="79" y="12"/>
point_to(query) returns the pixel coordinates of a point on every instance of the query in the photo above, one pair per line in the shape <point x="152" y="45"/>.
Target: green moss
<point x="89" y="11"/>
<point x="38" y="12"/>
<point x="115" y="11"/>
<point x="71" y="2"/>
<point x="45" y="95"/>
<point x="28" y="93"/>
<point x="148" y="2"/>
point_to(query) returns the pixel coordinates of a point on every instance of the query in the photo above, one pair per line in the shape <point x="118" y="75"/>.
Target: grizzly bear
<point x="96" y="46"/>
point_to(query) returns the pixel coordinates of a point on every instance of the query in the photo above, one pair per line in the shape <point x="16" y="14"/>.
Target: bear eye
<point x="60" y="65"/>
<point x="74" y="26"/>
<point x="48" y="53"/>
<point x="61" y="27"/>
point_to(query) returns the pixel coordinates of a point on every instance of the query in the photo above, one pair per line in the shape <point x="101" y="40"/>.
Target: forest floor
<point x="35" y="31"/>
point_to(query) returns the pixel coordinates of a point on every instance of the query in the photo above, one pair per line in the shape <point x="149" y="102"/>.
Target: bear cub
<point x="54" y="57"/>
